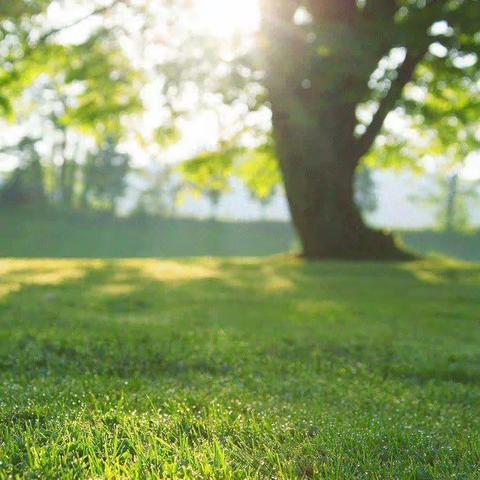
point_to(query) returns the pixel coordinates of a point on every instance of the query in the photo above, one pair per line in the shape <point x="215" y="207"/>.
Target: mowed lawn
<point x="212" y="368"/>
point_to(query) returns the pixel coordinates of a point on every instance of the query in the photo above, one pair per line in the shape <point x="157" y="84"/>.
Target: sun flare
<point x="226" y="17"/>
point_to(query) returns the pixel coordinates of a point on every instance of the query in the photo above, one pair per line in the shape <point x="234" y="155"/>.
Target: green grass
<point x="271" y="369"/>
<point x="464" y="246"/>
<point x="47" y="234"/>
<point x="54" y="234"/>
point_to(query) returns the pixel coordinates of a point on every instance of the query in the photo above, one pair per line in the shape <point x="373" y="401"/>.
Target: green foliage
<point x="85" y="91"/>
<point x="5" y="106"/>
<point x="209" y="174"/>
<point x="442" y="101"/>
<point x="445" y="109"/>
<point x="394" y="153"/>
<point x="218" y="369"/>
<point x="209" y="170"/>
<point x="337" y="61"/>
<point x="166" y="135"/>
<point x="97" y="69"/>
<point x="23" y="59"/>
<point x="15" y="10"/>
<point x="108" y="84"/>
<point x="260" y="173"/>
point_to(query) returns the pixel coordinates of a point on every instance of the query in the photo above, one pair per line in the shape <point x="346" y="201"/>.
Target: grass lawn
<point x="53" y="234"/>
<point x="224" y="369"/>
<point x="28" y="233"/>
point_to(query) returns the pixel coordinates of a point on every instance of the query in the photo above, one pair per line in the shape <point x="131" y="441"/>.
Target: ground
<point x="212" y="368"/>
<point x="52" y="233"/>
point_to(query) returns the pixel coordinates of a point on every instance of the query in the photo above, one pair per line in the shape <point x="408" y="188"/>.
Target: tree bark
<point x="319" y="182"/>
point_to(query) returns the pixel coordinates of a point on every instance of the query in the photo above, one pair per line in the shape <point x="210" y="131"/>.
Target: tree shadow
<point x="218" y="318"/>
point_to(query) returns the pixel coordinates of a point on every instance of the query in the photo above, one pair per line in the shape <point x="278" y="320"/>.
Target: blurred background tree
<point x="365" y="193"/>
<point x="260" y="174"/>
<point x="26" y="184"/>
<point x="104" y="176"/>
<point x="209" y="174"/>
<point x="77" y="94"/>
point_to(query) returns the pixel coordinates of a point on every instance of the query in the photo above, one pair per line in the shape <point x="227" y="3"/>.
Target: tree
<point x="209" y="174"/>
<point x="447" y="110"/>
<point x="79" y="92"/>
<point x="25" y="186"/>
<point x="159" y="196"/>
<point x="451" y="197"/>
<point x="30" y="48"/>
<point x="96" y="89"/>
<point x="452" y="201"/>
<point x="443" y="135"/>
<point x="365" y="196"/>
<point x="329" y="71"/>
<point x="105" y="176"/>
<point x="321" y="67"/>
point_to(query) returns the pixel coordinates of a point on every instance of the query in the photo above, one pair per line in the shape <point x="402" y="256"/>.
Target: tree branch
<point x="405" y="74"/>
<point x="97" y="11"/>
<point x="415" y="54"/>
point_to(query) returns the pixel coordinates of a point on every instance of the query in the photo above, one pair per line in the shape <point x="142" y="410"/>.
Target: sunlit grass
<point x="239" y="369"/>
<point x="16" y="273"/>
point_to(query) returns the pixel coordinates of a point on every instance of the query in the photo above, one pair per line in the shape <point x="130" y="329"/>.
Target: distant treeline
<point x="75" y="175"/>
<point x="96" y="182"/>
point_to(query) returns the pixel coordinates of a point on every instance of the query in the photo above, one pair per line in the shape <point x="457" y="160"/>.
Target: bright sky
<point x="219" y="17"/>
<point x="224" y="17"/>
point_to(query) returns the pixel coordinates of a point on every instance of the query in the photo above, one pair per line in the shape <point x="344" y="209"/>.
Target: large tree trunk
<point x="315" y="85"/>
<point x="319" y="172"/>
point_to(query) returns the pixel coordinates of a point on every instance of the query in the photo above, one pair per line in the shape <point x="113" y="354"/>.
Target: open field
<point x="30" y="233"/>
<point x="239" y="369"/>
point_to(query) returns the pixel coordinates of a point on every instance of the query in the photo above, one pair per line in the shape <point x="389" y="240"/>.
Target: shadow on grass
<point x="239" y="319"/>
